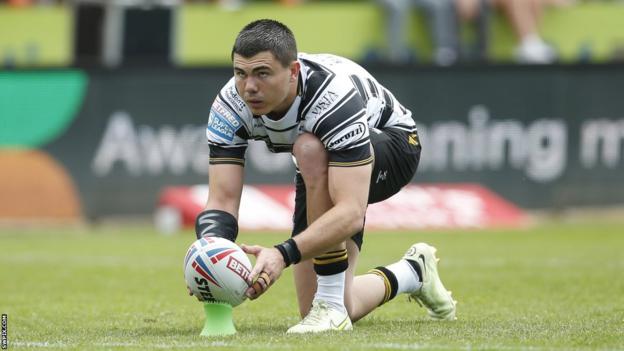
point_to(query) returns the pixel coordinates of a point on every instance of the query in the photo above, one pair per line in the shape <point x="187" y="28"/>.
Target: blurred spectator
<point x="443" y="16"/>
<point x="227" y="4"/>
<point x="442" y="21"/>
<point x="21" y="3"/>
<point x="524" y="17"/>
<point x="236" y="4"/>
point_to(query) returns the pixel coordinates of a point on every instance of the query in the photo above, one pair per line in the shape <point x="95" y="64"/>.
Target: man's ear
<point x="294" y="71"/>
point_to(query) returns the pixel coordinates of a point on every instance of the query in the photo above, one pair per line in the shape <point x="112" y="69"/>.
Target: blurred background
<point x="103" y="104"/>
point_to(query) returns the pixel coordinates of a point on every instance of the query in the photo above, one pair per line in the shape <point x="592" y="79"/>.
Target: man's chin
<point x="259" y="111"/>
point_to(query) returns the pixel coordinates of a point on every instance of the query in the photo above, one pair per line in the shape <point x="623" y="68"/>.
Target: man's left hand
<point x="268" y="268"/>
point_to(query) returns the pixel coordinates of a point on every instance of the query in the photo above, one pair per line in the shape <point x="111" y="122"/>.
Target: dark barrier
<point x="541" y="136"/>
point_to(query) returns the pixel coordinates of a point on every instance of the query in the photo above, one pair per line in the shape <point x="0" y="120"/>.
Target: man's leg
<point x="442" y="18"/>
<point x="397" y="13"/>
<point x="415" y="274"/>
<point x="305" y="283"/>
<point x="396" y="158"/>
<point x="320" y="282"/>
<point x="363" y="293"/>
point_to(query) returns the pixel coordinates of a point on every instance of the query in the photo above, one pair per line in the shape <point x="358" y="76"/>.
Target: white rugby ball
<point x="216" y="269"/>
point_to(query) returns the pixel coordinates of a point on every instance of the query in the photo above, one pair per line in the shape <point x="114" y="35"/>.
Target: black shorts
<point x="397" y="154"/>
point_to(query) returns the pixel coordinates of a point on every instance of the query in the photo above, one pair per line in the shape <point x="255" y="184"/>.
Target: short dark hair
<point x="266" y="35"/>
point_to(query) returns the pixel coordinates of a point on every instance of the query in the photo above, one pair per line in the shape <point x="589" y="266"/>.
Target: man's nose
<point x="251" y="85"/>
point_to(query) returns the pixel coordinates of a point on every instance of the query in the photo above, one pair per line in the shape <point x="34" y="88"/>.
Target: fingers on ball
<point x="262" y="283"/>
<point x="257" y="288"/>
<point x="266" y="277"/>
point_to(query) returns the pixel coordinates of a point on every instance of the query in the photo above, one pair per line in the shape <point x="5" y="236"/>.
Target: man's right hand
<point x="268" y="268"/>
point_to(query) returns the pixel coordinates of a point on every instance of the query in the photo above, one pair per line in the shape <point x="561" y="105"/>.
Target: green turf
<point x="550" y="287"/>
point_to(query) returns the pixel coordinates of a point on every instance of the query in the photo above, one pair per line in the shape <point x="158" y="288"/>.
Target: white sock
<point x="330" y="288"/>
<point x="406" y="277"/>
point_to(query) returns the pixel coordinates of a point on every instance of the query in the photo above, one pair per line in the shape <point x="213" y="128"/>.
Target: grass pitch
<point x="550" y="287"/>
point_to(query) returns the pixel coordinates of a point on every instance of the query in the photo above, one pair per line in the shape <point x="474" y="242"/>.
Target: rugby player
<point x="353" y="144"/>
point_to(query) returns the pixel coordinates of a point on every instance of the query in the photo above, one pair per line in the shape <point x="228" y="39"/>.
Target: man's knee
<point x="312" y="159"/>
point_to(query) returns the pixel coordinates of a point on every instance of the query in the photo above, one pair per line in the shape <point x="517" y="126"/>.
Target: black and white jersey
<point x="338" y="101"/>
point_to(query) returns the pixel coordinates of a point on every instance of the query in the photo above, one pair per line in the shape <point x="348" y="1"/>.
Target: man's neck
<point x="290" y="99"/>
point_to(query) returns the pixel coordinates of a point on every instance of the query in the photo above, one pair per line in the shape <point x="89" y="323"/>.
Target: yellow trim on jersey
<point x="227" y="160"/>
<point x="330" y="260"/>
<point x="352" y="164"/>
<point x="412" y="139"/>
<point x="331" y="257"/>
<point x="332" y="254"/>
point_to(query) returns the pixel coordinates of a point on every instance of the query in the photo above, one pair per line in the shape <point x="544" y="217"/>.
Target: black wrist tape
<point x="289" y="251"/>
<point x="216" y="223"/>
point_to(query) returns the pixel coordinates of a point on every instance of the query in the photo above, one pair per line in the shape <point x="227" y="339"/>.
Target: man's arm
<point x="225" y="187"/>
<point x="220" y="217"/>
<point x="348" y="188"/>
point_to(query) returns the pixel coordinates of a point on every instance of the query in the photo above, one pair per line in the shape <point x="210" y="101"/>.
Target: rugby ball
<point x="216" y="269"/>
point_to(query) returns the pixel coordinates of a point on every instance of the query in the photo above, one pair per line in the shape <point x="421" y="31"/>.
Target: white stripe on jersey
<point x="342" y="125"/>
<point x="329" y="112"/>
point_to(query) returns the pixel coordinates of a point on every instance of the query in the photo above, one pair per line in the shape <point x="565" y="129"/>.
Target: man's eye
<point x="240" y="74"/>
<point x="263" y="74"/>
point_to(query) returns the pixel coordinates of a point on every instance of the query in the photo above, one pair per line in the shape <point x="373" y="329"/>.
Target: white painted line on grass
<point x="375" y="346"/>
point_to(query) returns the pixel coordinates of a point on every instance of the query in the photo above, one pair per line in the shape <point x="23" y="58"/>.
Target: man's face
<point x="265" y="85"/>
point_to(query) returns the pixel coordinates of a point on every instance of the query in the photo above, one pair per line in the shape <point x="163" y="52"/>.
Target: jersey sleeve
<point x="337" y="116"/>
<point x="222" y="155"/>
<point x="226" y="131"/>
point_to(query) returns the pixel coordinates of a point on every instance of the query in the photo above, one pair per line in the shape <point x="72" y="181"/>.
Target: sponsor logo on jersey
<point x="324" y="102"/>
<point x="347" y="136"/>
<point x="225" y="113"/>
<point x="235" y="99"/>
<point x="222" y="125"/>
<point x="237" y="267"/>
